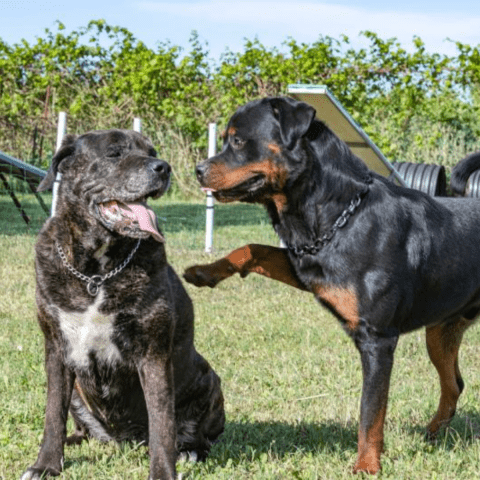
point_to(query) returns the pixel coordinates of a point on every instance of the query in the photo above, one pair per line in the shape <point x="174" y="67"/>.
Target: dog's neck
<point x="88" y="245"/>
<point x="322" y="192"/>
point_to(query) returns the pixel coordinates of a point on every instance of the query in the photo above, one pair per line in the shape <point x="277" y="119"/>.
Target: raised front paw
<point x="202" y="276"/>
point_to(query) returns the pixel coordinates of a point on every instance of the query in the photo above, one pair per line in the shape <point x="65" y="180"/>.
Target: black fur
<point x="403" y="260"/>
<point x="462" y="171"/>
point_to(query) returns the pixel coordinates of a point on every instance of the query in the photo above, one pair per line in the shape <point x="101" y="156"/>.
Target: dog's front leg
<point x="271" y="262"/>
<point x="377" y="360"/>
<point x="59" y="391"/>
<point x="156" y="376"/>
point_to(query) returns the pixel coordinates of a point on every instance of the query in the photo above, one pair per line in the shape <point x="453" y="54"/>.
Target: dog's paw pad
<point x="197" y="277"/>
<point x="190" y="456"/>
<point x="38" y="474"/>
<point x="29" y="475"/>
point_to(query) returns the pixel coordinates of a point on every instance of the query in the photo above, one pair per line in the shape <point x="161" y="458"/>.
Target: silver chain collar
<point x="313" y="249"/>
<point x="96" y="281"/>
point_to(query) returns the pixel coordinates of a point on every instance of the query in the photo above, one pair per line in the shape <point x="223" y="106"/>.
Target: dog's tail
<point x="462" y="171"/>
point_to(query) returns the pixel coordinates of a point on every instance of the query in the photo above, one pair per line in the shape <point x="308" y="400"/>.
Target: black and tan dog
<point x="384" y="259"/>
<point x="117" y="322"/>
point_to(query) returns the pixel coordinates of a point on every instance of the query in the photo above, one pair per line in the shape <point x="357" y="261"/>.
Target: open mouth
<point x="240" y="190"/>
<point x="133" y="219"/>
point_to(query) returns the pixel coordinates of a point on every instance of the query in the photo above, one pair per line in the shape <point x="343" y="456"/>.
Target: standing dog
<point x="384" y="259"/>
<point x="117" y="322"/>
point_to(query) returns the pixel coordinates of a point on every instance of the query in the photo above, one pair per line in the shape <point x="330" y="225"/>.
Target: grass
<point x="291" y="377"/>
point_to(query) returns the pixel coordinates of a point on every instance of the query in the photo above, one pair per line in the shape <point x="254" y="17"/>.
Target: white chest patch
<point x="87" y="333"/>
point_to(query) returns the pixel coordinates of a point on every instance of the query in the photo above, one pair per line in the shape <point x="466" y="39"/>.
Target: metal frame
<point x="331" y="112"/>
<point x="25" y="172"/>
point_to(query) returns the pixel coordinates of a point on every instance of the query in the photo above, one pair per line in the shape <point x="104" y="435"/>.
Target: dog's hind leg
<point x="443" y="343"/>
<point x="78" y="436"/>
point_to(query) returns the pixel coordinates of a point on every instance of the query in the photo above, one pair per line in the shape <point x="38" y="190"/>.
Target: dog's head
<point x="109" y="175"/>
<point x="259" y="153"/>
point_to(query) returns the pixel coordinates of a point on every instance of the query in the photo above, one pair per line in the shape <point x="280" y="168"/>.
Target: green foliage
<point x="103" y="77"/>
<point x="290" y="376"/>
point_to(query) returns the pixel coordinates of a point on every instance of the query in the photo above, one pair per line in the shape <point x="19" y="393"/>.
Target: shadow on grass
<point x="76" y="462"/>
<point x="242" y="441"/>
<point x="464" y="429"/>
<point x="250" y="440"/>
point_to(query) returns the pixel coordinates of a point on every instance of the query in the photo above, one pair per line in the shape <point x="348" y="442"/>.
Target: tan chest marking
<point x="342" y="300"/>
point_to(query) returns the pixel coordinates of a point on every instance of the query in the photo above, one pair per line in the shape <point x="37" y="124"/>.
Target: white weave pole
<point x="61" y="131"/>
<point x="212" y="150"/>
<point x="137" y="125"/>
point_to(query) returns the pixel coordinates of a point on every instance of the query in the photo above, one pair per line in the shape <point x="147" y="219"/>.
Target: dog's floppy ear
<point x="67" y="148"/>
<point x="294" y="118"/>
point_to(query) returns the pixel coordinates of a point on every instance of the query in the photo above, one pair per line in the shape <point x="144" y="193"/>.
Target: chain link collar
<point x="301" y="250"/>
<point x="96" y="281"/>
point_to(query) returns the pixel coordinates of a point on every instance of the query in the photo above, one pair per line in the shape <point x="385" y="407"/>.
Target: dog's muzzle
<point x="132" y="219"/>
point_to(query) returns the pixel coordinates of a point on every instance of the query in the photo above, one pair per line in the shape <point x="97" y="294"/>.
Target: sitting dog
<point x="384" y="259"/>
<point x="117" y="322"/>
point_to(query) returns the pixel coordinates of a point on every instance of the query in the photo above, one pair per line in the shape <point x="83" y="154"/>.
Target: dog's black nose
<point x="200" y="170"/>
<point x="160" y="167"/>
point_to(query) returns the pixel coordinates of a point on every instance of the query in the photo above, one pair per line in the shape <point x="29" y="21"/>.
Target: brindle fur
<point x="122" y="362"/>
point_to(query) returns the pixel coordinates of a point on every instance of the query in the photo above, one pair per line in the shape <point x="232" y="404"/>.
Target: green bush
<point x="416" y="106"/>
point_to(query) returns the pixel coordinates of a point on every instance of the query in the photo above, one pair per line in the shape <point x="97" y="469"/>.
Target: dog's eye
<point x="237" y="142"/>
<point x="114" y="151"/>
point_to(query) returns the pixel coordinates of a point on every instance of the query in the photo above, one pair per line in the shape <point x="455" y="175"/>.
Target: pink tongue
<point x="140" y="214"/>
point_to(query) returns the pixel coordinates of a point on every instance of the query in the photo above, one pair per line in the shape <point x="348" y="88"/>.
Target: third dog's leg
<point x="443" y="342"/>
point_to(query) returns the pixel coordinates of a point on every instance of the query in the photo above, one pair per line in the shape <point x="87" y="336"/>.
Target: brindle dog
<point x="117" y="322"/>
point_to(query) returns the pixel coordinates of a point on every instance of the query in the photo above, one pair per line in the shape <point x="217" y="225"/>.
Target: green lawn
<point x="291" y="377"/>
